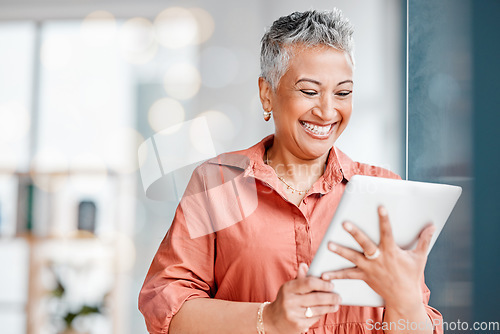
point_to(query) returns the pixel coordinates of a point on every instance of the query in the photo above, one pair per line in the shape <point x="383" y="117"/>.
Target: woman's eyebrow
<point x="319" y="83"/>
<point x="345" y="81"/>
<point x="309" y="80"/>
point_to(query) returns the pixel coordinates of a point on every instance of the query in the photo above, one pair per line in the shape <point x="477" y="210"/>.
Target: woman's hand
<point x="287" y="314"/>
<point x="395" y="274"/>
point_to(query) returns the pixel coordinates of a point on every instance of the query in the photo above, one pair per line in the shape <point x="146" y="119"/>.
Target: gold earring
<point x="267" y="115"/>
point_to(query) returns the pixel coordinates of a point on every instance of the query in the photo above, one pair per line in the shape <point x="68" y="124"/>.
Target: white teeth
<point x="319" y="130"/>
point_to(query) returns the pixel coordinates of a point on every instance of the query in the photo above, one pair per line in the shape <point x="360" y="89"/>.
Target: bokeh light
<point x="219" y="67"/>
<point x="14" y="122"/>
<point x="238" y="117"/>
<point x="49" y="170"/>
<point x="182" y="81"/>
<point x="88" y="173"/>
<point x="176" y="28"/>
<point x="9" y="159"/>
<point x="125" y="250"/>
<point x="98" y="28"/>
<point x="50" y="160"/>
<point x="205" y="23"/>
<point x="56" y="52"/>
<point x="220" y="125"/>
<point x="137" y="40"/>
<point x="121" y="146"/>
<point x="200" y="135"/>
<point x="141" y="215"/>
<point x="165" y="113"/>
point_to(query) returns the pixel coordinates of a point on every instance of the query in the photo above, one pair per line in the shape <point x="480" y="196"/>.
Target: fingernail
<point x="348" y="226"/>
<point x="332" y="246"/>
<point x="336" y="308"/>
<point x="332" y="286"/>
<point x="383" y="211"/>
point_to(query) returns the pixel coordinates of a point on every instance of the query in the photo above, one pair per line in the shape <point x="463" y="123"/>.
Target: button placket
<point x="303" y="242"/>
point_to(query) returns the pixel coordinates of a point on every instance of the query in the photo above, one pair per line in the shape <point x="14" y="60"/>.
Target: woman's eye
<point x="308" y="92"/>
<point x="344" y="93"/>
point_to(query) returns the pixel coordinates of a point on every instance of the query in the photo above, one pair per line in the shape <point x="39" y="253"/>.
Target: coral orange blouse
<point x="236" y="237"/>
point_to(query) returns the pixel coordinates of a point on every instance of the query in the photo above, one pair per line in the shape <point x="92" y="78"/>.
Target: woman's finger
<point x="309" y="284"/>
<point x="424" y="239"/>
<point x="303" y="268"/>
<point x="347" y="253"/>
<point x="368" y="246"/>
<point x="319" y="299"/>
<point x="386" y="236"/>
<point x="318" y="311"/>
<point x="348" y="273"/>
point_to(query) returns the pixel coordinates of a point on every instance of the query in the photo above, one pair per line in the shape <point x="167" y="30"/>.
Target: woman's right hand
<point x="287" y="314"/>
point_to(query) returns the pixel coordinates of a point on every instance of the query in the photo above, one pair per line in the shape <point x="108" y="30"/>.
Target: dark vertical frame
<point x="458" y="23"/>
<point x="404" y="88"/>
<point x="486" y="90"/>
<point x="440" y="137"/>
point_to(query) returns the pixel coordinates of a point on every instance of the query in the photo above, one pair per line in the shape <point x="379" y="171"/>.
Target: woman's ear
<point x="265" y="92"/>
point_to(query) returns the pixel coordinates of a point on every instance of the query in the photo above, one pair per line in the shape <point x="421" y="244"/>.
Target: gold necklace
<point x="300" y="192"/>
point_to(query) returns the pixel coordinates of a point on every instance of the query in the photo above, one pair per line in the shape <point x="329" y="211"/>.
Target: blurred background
<point x="84" y="83"/>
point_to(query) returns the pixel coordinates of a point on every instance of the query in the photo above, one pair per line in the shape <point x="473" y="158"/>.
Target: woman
<point x="235" y="258"/>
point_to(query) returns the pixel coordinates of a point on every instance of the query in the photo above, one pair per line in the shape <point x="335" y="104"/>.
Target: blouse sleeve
<point x="183" y="267"/>
<point x="434" y="315"/>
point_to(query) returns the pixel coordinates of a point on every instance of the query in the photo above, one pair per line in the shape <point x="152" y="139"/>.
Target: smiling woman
<point x="311" y="107"/>
<point x="313" y="101"/>
<point x="263" y="212"/>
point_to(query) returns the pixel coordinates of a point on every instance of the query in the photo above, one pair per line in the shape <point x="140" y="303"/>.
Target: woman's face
<point x="313" y="101"/>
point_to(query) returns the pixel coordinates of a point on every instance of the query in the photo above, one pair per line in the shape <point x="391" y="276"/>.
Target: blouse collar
<point x="338" y="167"/>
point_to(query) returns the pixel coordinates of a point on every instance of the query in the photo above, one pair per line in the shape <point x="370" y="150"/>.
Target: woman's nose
<point x="326" y="109"/>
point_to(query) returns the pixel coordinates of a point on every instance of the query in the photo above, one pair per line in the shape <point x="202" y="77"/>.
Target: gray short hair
<point x="310" y="28"/>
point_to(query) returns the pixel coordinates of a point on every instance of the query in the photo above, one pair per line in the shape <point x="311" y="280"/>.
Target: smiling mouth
<point x="318" y="131"/>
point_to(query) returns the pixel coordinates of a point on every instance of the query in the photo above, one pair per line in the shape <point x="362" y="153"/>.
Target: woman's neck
<point x="302" y="173"/>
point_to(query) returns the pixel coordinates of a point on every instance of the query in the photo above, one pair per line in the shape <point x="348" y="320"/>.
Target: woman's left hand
<point x="395" y="274"/>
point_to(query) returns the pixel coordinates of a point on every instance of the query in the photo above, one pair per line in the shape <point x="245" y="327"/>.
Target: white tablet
<point x="411" y="206"/>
